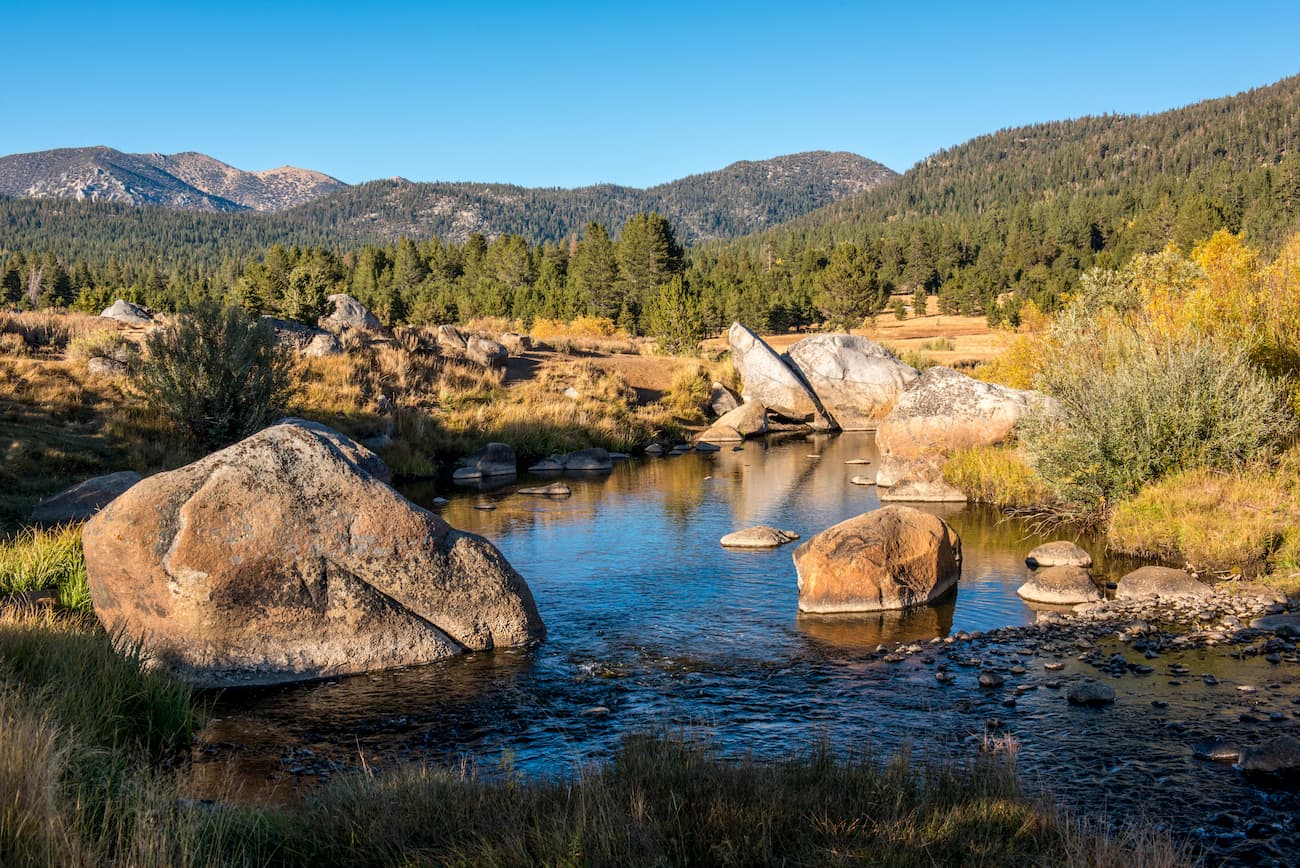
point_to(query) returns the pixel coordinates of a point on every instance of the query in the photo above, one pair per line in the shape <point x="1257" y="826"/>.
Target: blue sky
<point x="574" y="93"/>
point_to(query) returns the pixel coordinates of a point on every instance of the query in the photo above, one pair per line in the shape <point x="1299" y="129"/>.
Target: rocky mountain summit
<point x="188" y="180"/>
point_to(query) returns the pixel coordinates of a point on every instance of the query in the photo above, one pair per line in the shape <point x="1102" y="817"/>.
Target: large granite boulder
<point x="893" y="558"/>
<point x="305" y="340"/>
<point x="84" y="499"/>
<point x="486" y="352"/>
<point x="771" y="382"/>
<point x="856" y="380"/>
<point x="282" y="558"/>
<point x="1165" y="582"/>
<point x="1063" y="586"/>
<point x="124" y="311"/>
<point x="349" y="313"/>
<point x="943" y="410"/>
<point x="494" y="459"/>
<point x="451" y="340"/>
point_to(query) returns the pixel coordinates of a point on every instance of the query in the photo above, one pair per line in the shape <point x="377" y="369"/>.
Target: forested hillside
<point x="741" y="198"/>
<point x="1025" y="210"/>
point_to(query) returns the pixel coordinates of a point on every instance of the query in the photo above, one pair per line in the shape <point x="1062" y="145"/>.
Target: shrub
<point x="215" y="373"/>
<point x="1132" y="410"/>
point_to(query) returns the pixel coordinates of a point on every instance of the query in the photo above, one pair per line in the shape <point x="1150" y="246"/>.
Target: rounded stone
<point x="1065" y="586"/>
<point x="1059" y="553"/>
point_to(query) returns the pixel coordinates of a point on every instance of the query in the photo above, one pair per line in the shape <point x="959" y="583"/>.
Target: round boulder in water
<point x="1065" y="586"/>
<point x="892" y="558"/>
<point x="1059" y="553"/>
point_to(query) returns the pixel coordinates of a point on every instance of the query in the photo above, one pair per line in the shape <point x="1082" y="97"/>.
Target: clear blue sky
<point x="573" y="93"/>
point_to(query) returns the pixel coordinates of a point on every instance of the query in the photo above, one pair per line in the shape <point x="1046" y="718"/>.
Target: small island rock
<point x="1064" y="586"/>
<point x="1160" y="582"/>
<point x="761" y="537"/>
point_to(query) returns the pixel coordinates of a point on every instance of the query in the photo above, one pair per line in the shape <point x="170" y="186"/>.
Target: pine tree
<point x="648" y="257"/>
<point x="848" y="288"/>
<point x="593" y="273"/>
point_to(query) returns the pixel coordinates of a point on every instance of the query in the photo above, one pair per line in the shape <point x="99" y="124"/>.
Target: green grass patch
<point x="46" y="560"/>
<point x="1245" y="522"/>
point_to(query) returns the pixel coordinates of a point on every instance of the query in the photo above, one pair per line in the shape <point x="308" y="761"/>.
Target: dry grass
<point x="47" y="332"/>
<point x="61" y="426"/>
<point x="997" y="475"/>
<point x="1240" y="523"/>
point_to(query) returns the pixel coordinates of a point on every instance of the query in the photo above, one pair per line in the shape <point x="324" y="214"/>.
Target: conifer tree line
<point x="1013" y="216"/>
<point x="641" y="279"/>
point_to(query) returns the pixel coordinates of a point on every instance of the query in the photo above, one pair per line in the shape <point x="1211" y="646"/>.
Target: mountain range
<point x="311" y="207"/>
<point x="186" y="180"/>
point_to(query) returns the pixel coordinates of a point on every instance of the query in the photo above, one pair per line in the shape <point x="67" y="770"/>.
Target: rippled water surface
<point x="652" y="623"/>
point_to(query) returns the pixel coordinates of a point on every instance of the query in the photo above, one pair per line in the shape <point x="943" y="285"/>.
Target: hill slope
<point x="188" y="180"/>
<point x="1029" y="208"/>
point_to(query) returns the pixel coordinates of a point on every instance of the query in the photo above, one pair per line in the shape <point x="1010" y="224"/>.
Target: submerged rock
<point x="1278" y="757"/>
<point x="856" y="380"/>
<point x="1160" y="582"/>
<point x="84" y="499"/>
<point x="555" y="489"/>
<point x="1061" y="586"/>
<point x="761" y="537"/>
<point x="1059" y="553"/>
<point x="771" y="382"/>
<point x="1090" y="693"/>
<point x="892" y="558"/>
<point x="589" y="461"/>
<point x="283" y="558"/>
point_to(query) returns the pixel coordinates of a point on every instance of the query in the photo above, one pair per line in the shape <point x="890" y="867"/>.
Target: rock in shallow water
<point x="1090" y="693"/>
<point x="761" y="537"/>
<point x="1160" y="582"/>
<point x="1060" y="586"/>
<point x="1277" y="758"/>
<point x="284" y="558"/>
<point x="1059" y="553"/>
<point x="892" y="558"/>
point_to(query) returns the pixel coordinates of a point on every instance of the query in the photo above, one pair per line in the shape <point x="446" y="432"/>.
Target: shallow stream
<point x="652" y="624"/>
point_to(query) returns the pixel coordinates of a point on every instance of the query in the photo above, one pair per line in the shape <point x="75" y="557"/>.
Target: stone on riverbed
<point x="1059" y="553"/>
<point x="1091" y="693"/>
<point x="1160" y="582"/>
<point x="892" y="558"/>
<point x="1287" y="624"/>
<point x="1063" y="586"/>
<point x="761" y="537"/>
<point x="589" y="461"/>
<point x="1277" y="758"/>
<point x="283" y="558"/>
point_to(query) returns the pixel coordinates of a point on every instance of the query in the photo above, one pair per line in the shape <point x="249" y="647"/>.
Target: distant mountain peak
<point x="188" y="180"/>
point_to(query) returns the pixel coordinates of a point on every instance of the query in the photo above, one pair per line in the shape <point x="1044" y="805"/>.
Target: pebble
<point x="991" y="679"/>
